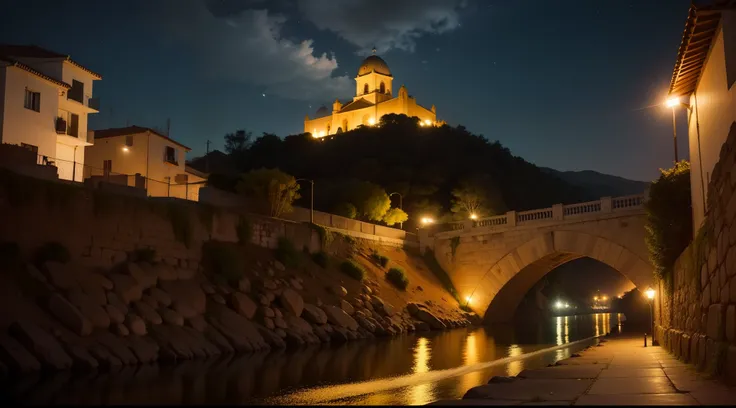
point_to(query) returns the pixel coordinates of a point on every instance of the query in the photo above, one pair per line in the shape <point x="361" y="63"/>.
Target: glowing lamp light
<point x="559" y="305"/>
<point x="605" y="298"/>
<point x="650" y="293"/>
<point x="372" y="121"/>
<point x="467" y="299"/>
<point x="672" y="102"/>
<point x="427" y="122"/>
<point x="595" y="298"/>
<point x="427" y="220"/>
<point x="567" y="305"/>
<point x="473" y="216"/>
<point x="125" y="149"/>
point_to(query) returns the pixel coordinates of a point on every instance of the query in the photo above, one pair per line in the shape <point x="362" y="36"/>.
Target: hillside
<point x="426" y="165"/>
<point x="599" y="184"/>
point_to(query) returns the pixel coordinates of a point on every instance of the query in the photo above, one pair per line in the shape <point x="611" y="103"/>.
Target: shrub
<point x="244" y="231"/>
<point x="669" y="218"/>
<point x="223" y="260"/>
<point x="352" y="269"/>
<point x="346" y="210"/>
<point x="321" y="258"/>
<point x="52" y="251"/>
<point x="325" y="236"/>
<point x="144" y="255"/>
<point x="380" y="259"/>
<point x="398" y="278"/>
<point x="271" y="191"/>
<point x="287" y="253"/>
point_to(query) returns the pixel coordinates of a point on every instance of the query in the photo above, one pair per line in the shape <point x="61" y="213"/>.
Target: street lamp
<point x="427" y="220"/>
<point x="473" y="216"/>
<point x="401" y="206"/>
<point x="650" y="296"/>
<point x="674" y="102"/>
<point x="311" y="199"/>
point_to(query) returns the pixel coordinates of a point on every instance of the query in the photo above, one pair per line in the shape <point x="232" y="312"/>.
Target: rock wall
<point x="696" y="317"/>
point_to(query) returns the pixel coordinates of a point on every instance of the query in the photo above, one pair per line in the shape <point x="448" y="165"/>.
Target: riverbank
<point x="619" y="371"/>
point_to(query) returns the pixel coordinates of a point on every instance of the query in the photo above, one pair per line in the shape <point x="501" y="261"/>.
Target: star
<point x="264" y="95"/>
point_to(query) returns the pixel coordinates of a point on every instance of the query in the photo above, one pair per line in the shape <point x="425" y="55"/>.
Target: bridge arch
<point x="500" y="289"/>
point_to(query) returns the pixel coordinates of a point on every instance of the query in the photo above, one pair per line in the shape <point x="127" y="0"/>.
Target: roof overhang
<point x="25" y="67"/>
<point x="701" y="27"/>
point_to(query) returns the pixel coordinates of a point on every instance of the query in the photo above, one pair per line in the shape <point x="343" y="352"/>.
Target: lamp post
<point x="401" y="206"/>
<point x="673" y="103"/>
<point x="650" y="296"/>
<point x="311" y="199"/>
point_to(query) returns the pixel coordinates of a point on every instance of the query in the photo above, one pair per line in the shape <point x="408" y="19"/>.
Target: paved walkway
<point x="619" y="371"/>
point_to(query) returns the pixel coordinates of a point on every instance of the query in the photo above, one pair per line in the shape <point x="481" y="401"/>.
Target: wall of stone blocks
<point x="696" y="319"/>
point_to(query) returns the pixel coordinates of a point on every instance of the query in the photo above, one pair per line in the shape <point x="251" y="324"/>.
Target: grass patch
<point x="352" y="269"/>
<point x="440" y="274"/>
<point x="325" y="236"/>
<point x="380" y="258"/>
<point x="52" y="251"/>
<point x="287" y="253"/>
<point x="144" y="255"/>
<point x="398" y="278"/>
<point x="223" y="260"/>
<point x="321" y="258"/>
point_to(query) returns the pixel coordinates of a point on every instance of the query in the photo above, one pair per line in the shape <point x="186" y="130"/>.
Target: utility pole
<point x="207" y="158"/>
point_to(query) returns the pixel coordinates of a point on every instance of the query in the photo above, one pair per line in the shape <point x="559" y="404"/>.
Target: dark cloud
<point x="385" y="24"/>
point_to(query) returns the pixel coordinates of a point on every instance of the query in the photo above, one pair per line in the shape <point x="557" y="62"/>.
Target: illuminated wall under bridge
<point x="498" y="259"/>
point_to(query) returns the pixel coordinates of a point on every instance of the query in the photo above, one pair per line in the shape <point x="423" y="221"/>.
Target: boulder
<point x="188" y="292"/>
<point x="277" y="312"/>
<point x="208" y="289"/>
<point x="136" y="325"/>
<point x="184" y="310"/>
<point x="338" y="317"/>
<point x="321" y="334"/>
<point x="114" y="300"/>
<point x="160" y="296"/>
<point x="171" y="317"/>
<point x="339" y="335"/>
<point x="413" y="308"/>
<point x="81" y="357"/>
<point x="292" y="302"/>
<point x="367" y="290"/>
<point x="150" y="301"/>
<point x="280" y="322"/>
<point x="94" y="286"/>
<point x="217" y="298"/>
<point x="383" y="307"/>
<point x="145" y="277"/>
<point x="185" y="273"/>
<point x="279" y="266"/>
<point x="427" y="317"/>
<point x="273" y="339"/>
<point x="244" y="285"/>
<point x="264" y="311"/>
<point x="16" y="356"/>
<point x="118" y="347"/>
<point x="116" y="315"/>
<point x="162" y="271"/>
<point x="90" y="309"/>
<point x="243" y="304"/>
<point x="313" y="314"/>
<point x="367" y="325"/>
<point x="216" y="338"/>
<point x="169" y="339"/>
<point x="69" y="315"/>
<point x="146" y="351"/>
<point x="299" y="325"/>
<point x="280" y="332"/>
<point x="42" y="345"/>
<point x="338" y="290"/>
<point x="296" y="284"/>
<point x="120" y="329"/>
<point x="147" y="313"/>
<point x="239" y="331"/>
<point x="104" y="357"/>
<point x="347" y="307"/>
<point x="127" y="288"/>
<point x="197" y="323"/>
<point x="268" y="322"/>
<point x="61" y="275"/>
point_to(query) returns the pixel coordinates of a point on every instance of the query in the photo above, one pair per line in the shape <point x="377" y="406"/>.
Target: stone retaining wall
<point x="696" y="319"/>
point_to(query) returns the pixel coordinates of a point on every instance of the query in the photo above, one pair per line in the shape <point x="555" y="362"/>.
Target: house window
<point x="365" y="89"/>
<point x="383" y="87"/>
<point x="33" y="100"/>
<point x="72" y="128"/>
<point x="32" y="148"/>
<point x="76" y="93"/>
<point x="170" y="155"/>
<point x="129" y="141"/>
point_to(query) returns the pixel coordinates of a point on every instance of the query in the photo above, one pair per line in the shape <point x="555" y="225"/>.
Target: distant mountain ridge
<point x="599" y="184"/>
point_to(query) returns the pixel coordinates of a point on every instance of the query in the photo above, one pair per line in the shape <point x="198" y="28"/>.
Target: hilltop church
<point x="373" y="99"/>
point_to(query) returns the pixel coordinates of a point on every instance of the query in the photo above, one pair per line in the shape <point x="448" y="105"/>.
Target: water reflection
<point x="410" y="369"/>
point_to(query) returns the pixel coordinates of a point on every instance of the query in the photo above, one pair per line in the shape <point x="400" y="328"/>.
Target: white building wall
<point x="714" y="108"/>
<point x="21" y="125"/>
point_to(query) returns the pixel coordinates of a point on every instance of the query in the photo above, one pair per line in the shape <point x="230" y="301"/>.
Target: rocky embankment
<point x="71" y="316"/>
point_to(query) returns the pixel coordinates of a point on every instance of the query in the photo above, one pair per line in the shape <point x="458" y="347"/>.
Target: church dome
<point x="373" y="63"/>
<point x="322" y="111"/>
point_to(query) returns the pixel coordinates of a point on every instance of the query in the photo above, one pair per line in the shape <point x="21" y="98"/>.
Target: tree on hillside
<point x="270" y="191"/>
<point x="344" y="209"/>
<point x="369" y="199"/>
<point x="478" y="196"/>
<point x="395" y="216"/>
<point x="238" y="143"/>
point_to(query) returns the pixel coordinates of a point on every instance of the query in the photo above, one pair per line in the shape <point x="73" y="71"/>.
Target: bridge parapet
<point x="557" y="212"/>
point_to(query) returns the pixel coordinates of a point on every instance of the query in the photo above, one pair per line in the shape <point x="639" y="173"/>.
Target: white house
<point x="160" y="160"/>
<point x="44" y="103"/>
<point x="703" y="81"/>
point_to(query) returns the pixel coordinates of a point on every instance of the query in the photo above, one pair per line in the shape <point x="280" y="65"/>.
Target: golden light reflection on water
<point x="471" y="355"/>
<point x="515" y="367"/>
<point x="597" y="326"/>
<point x="558" y="321"/>
<point x="420" y="394"/>
<point x="567" y="330"/>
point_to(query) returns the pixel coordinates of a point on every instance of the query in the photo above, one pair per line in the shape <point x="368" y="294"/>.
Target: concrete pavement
<point x="618" y="371"/>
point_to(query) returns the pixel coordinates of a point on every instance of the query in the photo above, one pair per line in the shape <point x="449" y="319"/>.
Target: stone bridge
<point x="493" y="262"/>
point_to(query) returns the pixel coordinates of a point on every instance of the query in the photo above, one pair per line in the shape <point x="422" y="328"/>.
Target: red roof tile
<point x="33" y="51"/>
<point x="132" y="130"/>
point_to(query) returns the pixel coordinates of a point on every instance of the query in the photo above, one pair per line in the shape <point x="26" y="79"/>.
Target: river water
<point x="407" y="370"/>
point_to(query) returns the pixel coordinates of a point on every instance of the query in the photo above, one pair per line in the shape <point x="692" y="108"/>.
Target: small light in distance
<point x="125" y="149"/>
<point x="468" y="299"/>
<point x="372" y="121"/>
<point x="650" y="293"/>
<point x="473" y="216"/>
<point x="559" y="305"/>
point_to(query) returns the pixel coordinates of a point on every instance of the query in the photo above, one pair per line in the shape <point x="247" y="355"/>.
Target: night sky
<point x="571" y="85"/>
